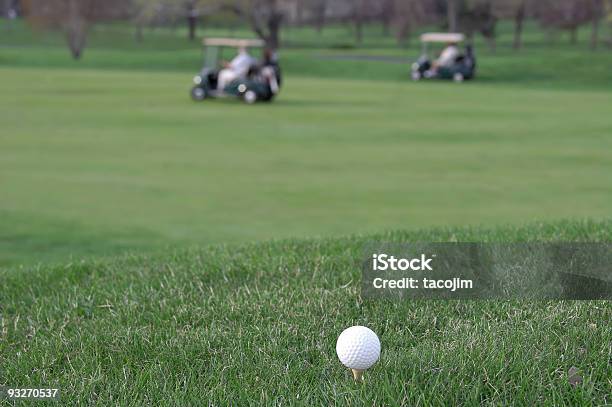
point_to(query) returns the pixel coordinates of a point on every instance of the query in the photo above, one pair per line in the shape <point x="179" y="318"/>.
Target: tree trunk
<point x="358" y="20"/>
<point x="403" y="33"/>
<point x="138" y="34"/>
<point x="386" y="27"/>
<point x="192" y="21"/>
<point x="451" y="14"/>
<point x="358" y="30"/>
<point x="76" y="36"/>
<point x="595" y="34"/>
<point x="274" y="25"/>
<point x="492" y="41"/>
<point x="597" y="14"/>
<point x="386" y="17"/>
<point x="574" y="35"/>
<point x="320" y="21"/>
<point x="320" y="24"/>
<point x="469" y="36"/>
<point x="519" y="20"/>
<point x="76" y="30"/>
<point x="551" y="36"/>
<point x="299" y="12"/>
<point x="320" y="14"/>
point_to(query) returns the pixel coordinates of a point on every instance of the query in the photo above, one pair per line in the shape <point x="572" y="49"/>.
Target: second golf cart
<point x="462" y="68"/>
<point x="261" y="83"/>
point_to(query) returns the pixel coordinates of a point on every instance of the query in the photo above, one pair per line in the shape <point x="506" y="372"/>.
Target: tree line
<point x="267" y="17"/>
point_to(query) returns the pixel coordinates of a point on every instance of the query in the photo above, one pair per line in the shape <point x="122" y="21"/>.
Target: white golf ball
<point x="358" y="347"/>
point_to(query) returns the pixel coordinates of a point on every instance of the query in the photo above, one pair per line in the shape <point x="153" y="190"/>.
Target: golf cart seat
<point x="464" y="60"/>
<point x="465" y="64"/>
<point x="469" y="58"/>
<point x="256" y="71"/>
<point x="268" y="60"/>
<point x="212" y="77"/>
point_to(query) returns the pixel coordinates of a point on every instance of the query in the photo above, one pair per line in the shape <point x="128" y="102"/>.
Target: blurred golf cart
<point x="261" y="83"/>
<point x="463" y="68"/>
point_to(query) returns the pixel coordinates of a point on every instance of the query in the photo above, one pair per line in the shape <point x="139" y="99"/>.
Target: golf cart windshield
<point x="213" y="48"/>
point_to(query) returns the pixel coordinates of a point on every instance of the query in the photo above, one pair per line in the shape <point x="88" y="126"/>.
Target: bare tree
<point x="310" y="12"/>
<point x="358" y="18"/>
<point x="149" y="12"/>
<point x="597" y="14"/>
<point x="74" y="17"/>
<point x="567" y="15"/>
<point x="520" y="13"/>
<point x="608" y="17"/>
<point x="264" y="16"/>
<point x="364" y="11"/>
<point x="387" y="13"/>
<point x="319" y="12"/>
<point x="478" y="16"/>
<point x="192" y="18"/>
<point x="452" y="13"/>
<point x="409" y="14"/>
<point x="515" y="10"/>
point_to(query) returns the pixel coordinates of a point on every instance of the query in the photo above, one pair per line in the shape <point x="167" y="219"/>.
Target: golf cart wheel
<point x="198" y="94"/>
<point x="458" y="77"/>
<point x="250" y="97"/>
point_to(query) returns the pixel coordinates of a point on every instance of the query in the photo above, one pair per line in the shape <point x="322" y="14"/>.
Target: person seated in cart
<point x="237" y="68"/>
<point x="447" y="59"/>
<point x="448" y="56"/>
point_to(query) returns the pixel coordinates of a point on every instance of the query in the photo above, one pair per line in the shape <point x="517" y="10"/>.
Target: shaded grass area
<point x="258" y="323"/>
<point x="32" y="238"/>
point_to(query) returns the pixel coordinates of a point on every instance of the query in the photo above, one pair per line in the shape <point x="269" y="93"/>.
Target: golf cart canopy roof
<point x="443" y="37"/>
<point x="233" y="42"/>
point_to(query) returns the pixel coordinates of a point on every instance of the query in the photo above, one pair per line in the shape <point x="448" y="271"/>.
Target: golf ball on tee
<point x="358" y="347"/>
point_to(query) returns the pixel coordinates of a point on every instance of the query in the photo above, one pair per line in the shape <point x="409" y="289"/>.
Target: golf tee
<point x="357" y="375"/>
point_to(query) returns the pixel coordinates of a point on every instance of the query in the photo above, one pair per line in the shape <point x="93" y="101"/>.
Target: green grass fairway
<point x="157" y="251"/>
<point x="108" y="154"/>
<point x="257" y="325"/>
<point x="95" y="162"/>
